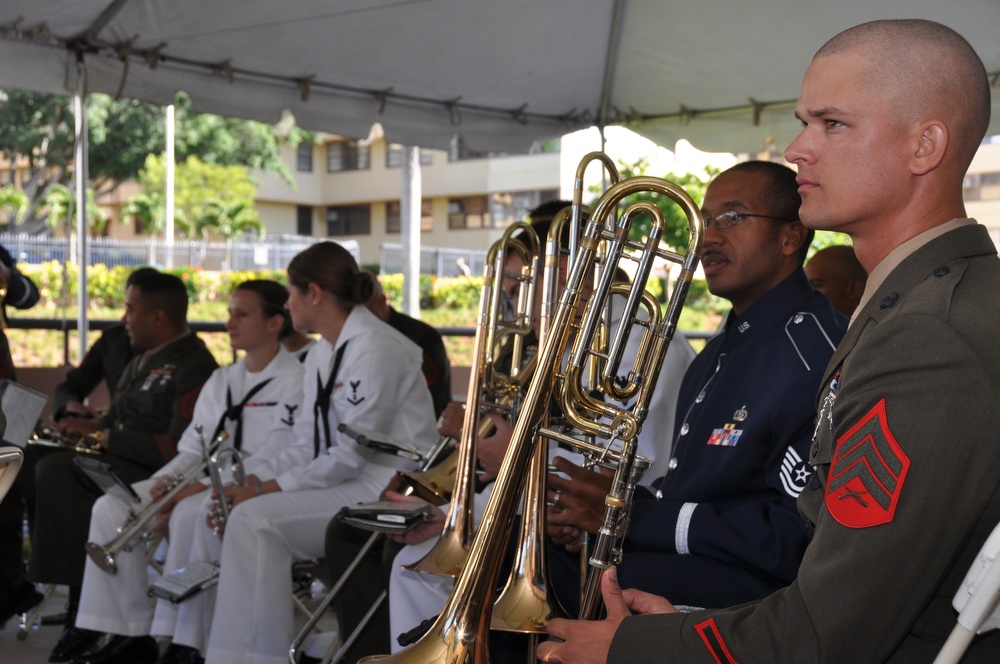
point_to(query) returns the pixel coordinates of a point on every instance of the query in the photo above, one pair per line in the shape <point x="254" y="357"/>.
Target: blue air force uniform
<point x="722" y="527"/>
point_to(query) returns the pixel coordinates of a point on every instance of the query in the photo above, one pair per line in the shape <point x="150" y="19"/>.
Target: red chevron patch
<point x="710" y="636"/>
<point x="866" y="473"/>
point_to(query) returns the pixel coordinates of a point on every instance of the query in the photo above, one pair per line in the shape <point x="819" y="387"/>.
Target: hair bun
<point x="362" y="287"/>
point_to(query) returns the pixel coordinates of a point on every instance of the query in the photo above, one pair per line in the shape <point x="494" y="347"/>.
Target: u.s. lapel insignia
<point x="741" y="414"/>
<point x="866" y="473"/>
<point x="354" y="399"/>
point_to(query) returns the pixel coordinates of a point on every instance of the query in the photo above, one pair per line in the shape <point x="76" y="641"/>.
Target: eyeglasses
<point x="726" y="220"/>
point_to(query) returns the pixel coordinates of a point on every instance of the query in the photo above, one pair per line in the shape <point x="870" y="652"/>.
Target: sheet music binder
<point x="386" y="516"/>
<point x="22" y="407"/>
<point x="186" y="581"/>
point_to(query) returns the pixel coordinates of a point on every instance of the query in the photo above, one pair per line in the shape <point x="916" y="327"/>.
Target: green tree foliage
<point x="59" y="206"/>
<point x="15" y="202"/>
<point x="36" y="131"/>
<point x="676" y="224"/>
<point x="196" y="185"/>
<point x="148" y="210"/>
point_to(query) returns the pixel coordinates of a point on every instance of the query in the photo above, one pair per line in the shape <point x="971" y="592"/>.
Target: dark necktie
<point x="235" y="412"/>
<point x="321" y="409"/>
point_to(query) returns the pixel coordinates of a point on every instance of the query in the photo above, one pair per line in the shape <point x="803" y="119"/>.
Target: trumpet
<point x="141" y="525"/>
<point x="89" y="443"/>
<point x="218" y="512"/>
<point x="461" y="631"/>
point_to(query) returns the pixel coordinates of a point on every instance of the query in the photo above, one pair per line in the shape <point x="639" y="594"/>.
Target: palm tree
<point x="60" y="204"/>
<point x="14" y="199"/>
<point x="150" y="210"/>
<point x="228" y="221"/>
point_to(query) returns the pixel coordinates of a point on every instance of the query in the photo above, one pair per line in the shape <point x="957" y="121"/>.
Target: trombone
<point x="487" y="379"/>
<point x="525" y="604"/>
<point x="461" y="631"/>
<point x="141" y="525"/>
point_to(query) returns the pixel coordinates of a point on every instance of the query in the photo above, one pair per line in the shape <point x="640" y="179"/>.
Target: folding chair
<point x="976" y="601"/>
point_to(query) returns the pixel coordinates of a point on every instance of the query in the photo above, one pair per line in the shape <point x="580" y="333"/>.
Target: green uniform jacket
<point x="907" y="483"/>
<point x="153" y="405"/>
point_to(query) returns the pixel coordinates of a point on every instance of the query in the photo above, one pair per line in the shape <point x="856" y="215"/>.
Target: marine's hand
<point x="587" y="641"/>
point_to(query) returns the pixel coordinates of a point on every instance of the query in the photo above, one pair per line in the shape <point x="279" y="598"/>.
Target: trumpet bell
<point x="102" y="556"/>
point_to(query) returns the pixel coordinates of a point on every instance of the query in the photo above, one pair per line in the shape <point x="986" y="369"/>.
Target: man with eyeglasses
<point x="721" y="527"/>
<point x="906" y="489"/>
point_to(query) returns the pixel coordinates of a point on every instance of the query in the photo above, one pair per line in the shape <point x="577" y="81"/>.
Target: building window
<point x="347" y="156"/>
<point x="392" y="216"/>
<point x="303" y="220"/>
<point x="394" y="156"/>
<point x="981" y="187"/>
<point x="470" y="212"/>
<point x="348" y="220"/>
<point x="304" y="157"/>
<point x="508" y="207"/>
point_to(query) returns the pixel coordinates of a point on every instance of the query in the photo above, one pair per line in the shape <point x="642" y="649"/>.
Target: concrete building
<point x="350" y="189"/>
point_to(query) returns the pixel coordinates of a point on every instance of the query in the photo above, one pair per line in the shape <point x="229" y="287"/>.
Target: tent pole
<point x="168" y="196"/>
<point x="409" y="221"/>
<point x="80" y="159"/>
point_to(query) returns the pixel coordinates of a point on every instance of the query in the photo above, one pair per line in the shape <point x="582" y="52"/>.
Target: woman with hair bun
<point x="360" y="372"/>
<point x="250" y="400"/>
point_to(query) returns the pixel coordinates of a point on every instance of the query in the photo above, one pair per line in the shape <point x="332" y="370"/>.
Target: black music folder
<point x="22" y="407"/>
<point x="386" y="516"/>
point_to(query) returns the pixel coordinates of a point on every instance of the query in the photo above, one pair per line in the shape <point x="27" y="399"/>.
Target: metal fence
<point x="438" y="261"/>
<point x="273" y="252"/>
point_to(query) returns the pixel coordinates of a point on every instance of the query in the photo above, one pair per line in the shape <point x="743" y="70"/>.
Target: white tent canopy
<point x="501" y="73"/>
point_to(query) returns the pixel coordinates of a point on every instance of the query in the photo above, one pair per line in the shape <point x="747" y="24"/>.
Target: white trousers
<point x="119" y="603"/>
<point x="196" y="543"/>
<point x="417" y="596"/>
<point x="253" y="617"/>
<point x="414" y="596"/>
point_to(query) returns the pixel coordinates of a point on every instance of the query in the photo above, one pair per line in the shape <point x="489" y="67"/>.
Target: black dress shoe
<point x="73" y="642"/>
<point x="19" y="599"/>
<point x="123" y="650"/>
<point x="178" y="654"/>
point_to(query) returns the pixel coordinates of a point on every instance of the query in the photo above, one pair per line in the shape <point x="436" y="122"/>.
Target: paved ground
<point x="36" y="647"/>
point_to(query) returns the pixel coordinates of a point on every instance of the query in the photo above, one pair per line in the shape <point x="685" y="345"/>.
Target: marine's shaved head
<point x="925" y="70"/>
